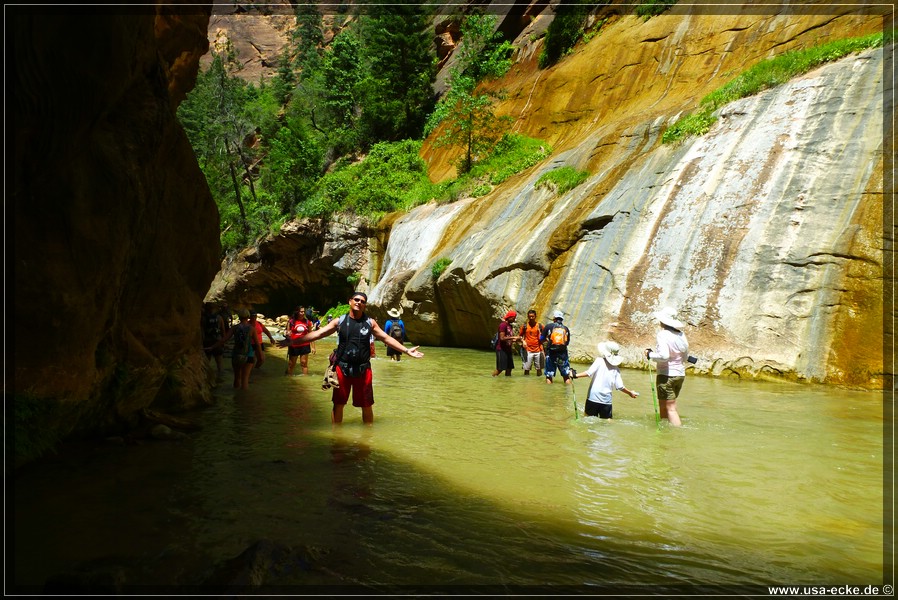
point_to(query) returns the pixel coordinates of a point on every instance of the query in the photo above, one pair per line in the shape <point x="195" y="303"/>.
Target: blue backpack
<point x="242" y="340"/>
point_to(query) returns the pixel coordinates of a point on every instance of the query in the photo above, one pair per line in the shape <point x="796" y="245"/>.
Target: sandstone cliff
<point x="116" y="234"/>
<point x="766" y="233"/>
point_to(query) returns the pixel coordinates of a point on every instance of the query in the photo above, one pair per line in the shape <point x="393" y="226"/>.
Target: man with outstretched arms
<point x="353" y="356"/>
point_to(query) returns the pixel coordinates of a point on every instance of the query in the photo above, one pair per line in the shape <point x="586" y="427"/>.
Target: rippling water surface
<point x="469" y="479"/>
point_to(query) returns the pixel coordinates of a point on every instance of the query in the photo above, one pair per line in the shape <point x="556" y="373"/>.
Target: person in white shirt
<point x="606" y="378"/>
<point x="671" y="355"/>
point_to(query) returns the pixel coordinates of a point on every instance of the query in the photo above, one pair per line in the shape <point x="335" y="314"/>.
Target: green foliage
<point x="652" y="8"/>
<point x="691" y="125"/>
<point x="307" y="38"/>
<point x="353" y="278"/>
<point x="339" y="105"/>
<point x="763" y="75"/>
<point x="470" y="123"/>
<point x="399" y="59"/>
<point x="34" y="433"/>
<point x="372" y="187"/>
<point x="218" y="116"/>
<point x="467" y="114"/>
<point x="394" y="177"/>
<point x="484" y="53"/>
<point x="265" y="149"/>
<point x="439" y="266"/>
<point x="564" y="31"/>
<point x="337" y="311"/>
<point x="293" y="166"/>
<point x="262" y="107"/>
<point x="513" y="154"/>
<point x="284" y="80"/>
<point x="562" y="180"/>
<point x="481" y="190"/>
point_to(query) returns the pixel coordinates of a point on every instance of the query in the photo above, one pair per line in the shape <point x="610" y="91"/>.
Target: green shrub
<point x="651" y="8"/>
<point x="354" y="278"/>
<point x="337" y="311"/>
<point x="439" y="266"/>
<point x="481" y="190"/>
<point x="394" y="177"/>
<point x="564" y="31"/>
<point x="562" y="180"/>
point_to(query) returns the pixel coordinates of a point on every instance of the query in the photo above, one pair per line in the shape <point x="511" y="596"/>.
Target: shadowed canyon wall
<point x="766" y="233"/>
<point x="115" y="231"/>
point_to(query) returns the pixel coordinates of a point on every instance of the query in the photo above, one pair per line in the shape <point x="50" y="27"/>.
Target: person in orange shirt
<point x="530" y="332"/>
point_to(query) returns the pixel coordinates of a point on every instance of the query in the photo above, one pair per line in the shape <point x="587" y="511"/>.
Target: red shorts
<point x="362" y="390"/>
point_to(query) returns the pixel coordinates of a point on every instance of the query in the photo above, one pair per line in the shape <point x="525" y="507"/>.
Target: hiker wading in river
<point x="353" y="356"/>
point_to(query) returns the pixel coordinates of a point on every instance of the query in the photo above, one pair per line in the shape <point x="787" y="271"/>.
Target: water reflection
<point x="466" y="479"/>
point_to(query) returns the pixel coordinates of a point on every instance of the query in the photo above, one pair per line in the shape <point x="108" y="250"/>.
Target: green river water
<point x="469" y="480"/>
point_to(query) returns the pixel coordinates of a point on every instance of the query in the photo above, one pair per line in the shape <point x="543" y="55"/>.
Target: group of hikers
<point x="351" y="360"/>
<point x="248" y="352"/>
<point x="544" y="348"/>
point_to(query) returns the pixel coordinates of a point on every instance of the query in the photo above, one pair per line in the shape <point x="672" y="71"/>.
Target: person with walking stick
<point x="671" y="356"/>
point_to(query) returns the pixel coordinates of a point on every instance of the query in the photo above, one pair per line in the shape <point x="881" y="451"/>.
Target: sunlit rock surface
<point x="766" y="233"/>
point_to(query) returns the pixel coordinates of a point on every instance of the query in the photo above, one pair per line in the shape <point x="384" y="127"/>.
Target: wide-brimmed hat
<point x="394" y="312"/>
<point x="610" y="351"/>
<point x="558" y="315"/>
<point x="668" y="316"/>
<point x="510" y="315"/>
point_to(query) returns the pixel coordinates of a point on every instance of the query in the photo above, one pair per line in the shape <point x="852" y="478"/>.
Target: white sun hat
<point x="668" y="316"/>
<point x="610" y="351"/>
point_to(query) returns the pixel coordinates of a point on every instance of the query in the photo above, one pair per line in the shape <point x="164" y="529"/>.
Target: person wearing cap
<point x="352" y="356"/>
<point x="505" y="345"/>
<point x="395" y="328"/>
<point x="671" y="355"/>
<point x="606" y="378"/>
<point x="557" y="336"/>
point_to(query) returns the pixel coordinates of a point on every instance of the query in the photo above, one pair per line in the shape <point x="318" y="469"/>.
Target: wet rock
<point x="263" y="563"/>
<point x="88" y="580"/>
<point x="164" y="432"/>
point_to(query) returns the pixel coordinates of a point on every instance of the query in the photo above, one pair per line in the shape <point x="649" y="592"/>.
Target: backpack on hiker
<point x="211" y="330"/>
<point x="558" y="337"/>
<point x="242" y="340"/>
<point x="397" y="331"/>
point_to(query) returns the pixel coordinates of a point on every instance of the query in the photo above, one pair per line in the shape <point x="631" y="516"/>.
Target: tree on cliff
<point x="465" y="112"/>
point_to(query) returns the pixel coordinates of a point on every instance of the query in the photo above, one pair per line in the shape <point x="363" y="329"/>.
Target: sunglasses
<point x="360" y="300"/>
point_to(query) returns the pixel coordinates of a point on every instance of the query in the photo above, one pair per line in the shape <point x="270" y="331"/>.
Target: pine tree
<point x="399" y="62"/>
